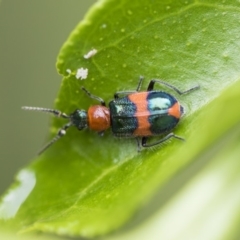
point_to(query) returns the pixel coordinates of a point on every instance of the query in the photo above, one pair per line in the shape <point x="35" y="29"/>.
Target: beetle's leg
<point x="101" y="133"/>
<point x="153" y="81"/>
<point x="116" y="95"/>
<point x="170" y="135"/>
<point x="139" y="83"/>
<point x="138" y="144"/>
<point x="94" y="97"/>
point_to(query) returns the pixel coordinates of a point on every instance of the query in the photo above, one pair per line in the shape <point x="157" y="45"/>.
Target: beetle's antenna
<point x="55" y="112"/>
<point x="61" y="133"/>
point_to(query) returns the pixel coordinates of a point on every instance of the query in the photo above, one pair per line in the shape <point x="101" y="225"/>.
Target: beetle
<point x="137" y="114"/>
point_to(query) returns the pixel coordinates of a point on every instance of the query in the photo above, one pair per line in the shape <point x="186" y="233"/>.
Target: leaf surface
<point x="89" y="185"/>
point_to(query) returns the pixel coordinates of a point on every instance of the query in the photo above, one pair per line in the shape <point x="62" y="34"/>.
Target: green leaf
<point x="89" y="185"/>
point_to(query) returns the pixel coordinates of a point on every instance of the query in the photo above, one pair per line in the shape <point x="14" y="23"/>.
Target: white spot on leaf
<point x="90" y="54"/>
<point x="13" y="200"/>
<point x="82" y="73"/>
<point x="69" y="71"/>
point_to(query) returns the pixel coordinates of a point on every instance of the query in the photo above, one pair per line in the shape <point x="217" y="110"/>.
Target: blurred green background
<point x="31" y="34"/>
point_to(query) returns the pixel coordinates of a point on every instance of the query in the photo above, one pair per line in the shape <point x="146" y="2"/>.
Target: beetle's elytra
<point x="138" y="114"/>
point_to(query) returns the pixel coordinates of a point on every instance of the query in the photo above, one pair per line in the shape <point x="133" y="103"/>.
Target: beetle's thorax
<point x="98" y="118"/>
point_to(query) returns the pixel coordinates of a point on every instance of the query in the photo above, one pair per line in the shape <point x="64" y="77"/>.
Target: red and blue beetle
<point x="138" y="114"/>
